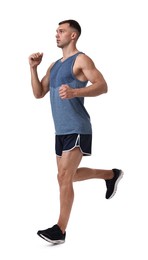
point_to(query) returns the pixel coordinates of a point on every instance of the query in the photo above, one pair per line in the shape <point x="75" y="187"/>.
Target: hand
<point x="66" y="92"/>
<point x="35" y="59"/>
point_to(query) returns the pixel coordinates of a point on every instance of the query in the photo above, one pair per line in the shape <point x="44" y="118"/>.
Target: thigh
<point x="69" y="161"/>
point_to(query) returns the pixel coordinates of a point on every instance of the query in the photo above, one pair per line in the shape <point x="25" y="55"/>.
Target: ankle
<point x="110" y="175"/>
<point x="61" y="227"/>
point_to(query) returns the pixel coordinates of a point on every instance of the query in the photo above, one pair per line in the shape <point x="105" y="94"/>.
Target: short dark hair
<point x="73" y="24"/>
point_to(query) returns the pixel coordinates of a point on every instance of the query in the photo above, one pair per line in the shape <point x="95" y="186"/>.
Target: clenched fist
<point x="66" y="92"/>
<point x="35" y="59"/>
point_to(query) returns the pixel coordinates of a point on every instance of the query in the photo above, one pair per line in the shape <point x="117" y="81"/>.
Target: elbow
<point x="102" y="88"/>
<point x="105" y="88"/>
<point x="38" y="95"/>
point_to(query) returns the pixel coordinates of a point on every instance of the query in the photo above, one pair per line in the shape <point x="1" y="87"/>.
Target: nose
<point x="57" y="35"/>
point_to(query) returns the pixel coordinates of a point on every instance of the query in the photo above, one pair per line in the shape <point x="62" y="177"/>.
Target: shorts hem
<point x="76" y="146"/>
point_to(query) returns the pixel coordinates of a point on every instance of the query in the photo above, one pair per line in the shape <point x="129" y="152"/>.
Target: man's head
<point x="73" y="24"/>
<point x="68" y="33"/>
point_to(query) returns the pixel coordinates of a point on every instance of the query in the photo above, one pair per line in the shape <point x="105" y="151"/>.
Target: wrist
<point x="33" y="67"/>
<point x="75" y="92"/>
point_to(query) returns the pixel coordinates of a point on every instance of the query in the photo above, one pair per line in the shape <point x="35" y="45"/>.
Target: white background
<point x="114" y="35"/>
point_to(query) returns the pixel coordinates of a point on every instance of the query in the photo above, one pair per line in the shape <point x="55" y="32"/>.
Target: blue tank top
<point x="69" y="115"/>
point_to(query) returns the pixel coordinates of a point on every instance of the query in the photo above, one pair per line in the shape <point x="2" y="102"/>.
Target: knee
<point x="59" y="177"/>
<point x="63" y="178"/>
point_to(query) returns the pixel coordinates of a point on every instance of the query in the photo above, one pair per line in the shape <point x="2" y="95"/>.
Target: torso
<point x="70" y="115"/>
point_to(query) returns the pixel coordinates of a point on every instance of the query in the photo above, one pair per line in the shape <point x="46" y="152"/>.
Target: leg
<point x="88" y="173"/>
<point x="67" y="167"/>
<point x="111" y="177"/>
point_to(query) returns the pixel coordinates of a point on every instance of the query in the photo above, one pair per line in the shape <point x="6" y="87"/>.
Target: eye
<point x="61" y="31"/>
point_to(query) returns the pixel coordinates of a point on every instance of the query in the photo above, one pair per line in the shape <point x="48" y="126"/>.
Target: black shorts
<point x="65" y="143"/>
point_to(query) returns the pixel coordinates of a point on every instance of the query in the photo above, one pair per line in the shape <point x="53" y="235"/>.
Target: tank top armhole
<point x="73" y="62"/>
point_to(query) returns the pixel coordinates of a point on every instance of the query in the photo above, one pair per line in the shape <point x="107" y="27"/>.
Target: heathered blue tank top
<point x="69" y="115"/>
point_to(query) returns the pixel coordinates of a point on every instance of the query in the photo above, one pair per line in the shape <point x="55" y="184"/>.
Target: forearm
<point x="91" y="91"/>
<point x="36" y="84"/>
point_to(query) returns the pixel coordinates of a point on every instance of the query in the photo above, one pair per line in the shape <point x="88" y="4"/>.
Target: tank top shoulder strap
<point x="80" y="52"/>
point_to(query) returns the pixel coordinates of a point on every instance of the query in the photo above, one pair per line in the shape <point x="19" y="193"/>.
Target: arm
<point x="98" y="84"/>
<point x="40" y="88"/>
<point x="84" y="69"/>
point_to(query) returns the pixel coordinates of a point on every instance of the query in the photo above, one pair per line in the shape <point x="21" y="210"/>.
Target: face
<point x="64" y="35"/>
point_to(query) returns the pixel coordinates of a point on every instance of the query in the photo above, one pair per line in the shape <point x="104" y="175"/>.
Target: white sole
<point x="52" y="241"/>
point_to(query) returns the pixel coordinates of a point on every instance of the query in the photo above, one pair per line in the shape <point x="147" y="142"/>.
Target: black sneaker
<point x="112" y="183"/>
<point x="53" y="235"/>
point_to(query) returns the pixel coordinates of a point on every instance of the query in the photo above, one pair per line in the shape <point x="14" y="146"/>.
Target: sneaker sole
<point x="52" y="241"/>
<point x="116" y="184"/>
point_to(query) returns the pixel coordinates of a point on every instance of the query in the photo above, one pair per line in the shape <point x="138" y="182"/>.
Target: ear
<point x="73" y="35"/>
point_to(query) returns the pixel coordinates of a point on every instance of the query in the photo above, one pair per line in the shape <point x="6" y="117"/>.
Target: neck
<point x="69" y="52"/>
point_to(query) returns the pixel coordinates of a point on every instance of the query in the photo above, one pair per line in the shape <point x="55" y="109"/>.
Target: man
<point x="67" y="79"/>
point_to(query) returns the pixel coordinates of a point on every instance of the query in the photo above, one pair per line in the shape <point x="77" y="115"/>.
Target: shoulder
<point x="84" y="60"/>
